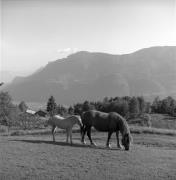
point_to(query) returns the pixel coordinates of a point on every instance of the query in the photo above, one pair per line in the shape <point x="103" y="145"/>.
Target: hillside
<point x="92" y="76"/>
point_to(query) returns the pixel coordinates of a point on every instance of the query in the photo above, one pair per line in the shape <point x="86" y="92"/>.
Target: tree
<point x="98" y="105"/>
<point x="60" y="109"/>
<point x="71" y="110"/>
<point x="51" y="106"/>
<point x="22" y="106"/>
<point x="172" y="109"/>
<point x="87" y="106"/>
<point x="156" y="105"/>
<point x="168" y="105"/>
<point x="148" y="107"/>
<point x="119" y="105"/>
<point x="105" y="100"/>
<point x="124" y="108"/>
<point x="78" y="108"/>
<point x="8" y="111"/>
<point x="5" y="104"/>
<point x="64" y="110"/>
<point x="134" y="107"/>
<point x="142" y="104"/>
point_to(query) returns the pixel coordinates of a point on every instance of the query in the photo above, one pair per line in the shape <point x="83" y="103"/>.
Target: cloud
<point x="67" y="50"/>
<point x="64" y="50"/>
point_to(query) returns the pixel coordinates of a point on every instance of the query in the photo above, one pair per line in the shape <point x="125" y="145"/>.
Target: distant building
<point x="30" y="112"/>
<point x="41" y="113"/>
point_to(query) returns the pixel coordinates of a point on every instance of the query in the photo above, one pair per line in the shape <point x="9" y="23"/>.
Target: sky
<point x="35" y="32"/>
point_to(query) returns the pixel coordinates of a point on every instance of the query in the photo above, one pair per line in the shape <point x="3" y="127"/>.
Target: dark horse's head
<point x="126" y="141"/>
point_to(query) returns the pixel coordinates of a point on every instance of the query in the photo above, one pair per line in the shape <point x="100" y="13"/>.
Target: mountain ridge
<point x="92" y="75"/>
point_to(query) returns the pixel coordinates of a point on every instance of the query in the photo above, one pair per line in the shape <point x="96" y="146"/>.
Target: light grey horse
<point x="64" y="123"/>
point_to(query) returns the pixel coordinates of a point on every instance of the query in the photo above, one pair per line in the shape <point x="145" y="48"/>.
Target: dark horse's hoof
<point x="120" y="147"/>
<point x="83" y="142"/>
<point x="108" y="146"/>
<point x="93" y="144"/>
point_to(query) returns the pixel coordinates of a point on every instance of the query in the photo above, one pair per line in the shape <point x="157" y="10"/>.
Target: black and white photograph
<point x="87" y="89"/>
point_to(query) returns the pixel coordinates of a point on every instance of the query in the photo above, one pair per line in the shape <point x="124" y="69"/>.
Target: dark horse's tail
<point x="83" y="126"/>
<point x="82" y="129"/>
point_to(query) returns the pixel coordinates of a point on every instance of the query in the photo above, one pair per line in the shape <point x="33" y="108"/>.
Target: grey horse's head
<point x="126" y="141"/>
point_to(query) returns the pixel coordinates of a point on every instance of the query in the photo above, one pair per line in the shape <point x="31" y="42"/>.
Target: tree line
<point x="128" y="107"/>
<point x="164" y="106"/>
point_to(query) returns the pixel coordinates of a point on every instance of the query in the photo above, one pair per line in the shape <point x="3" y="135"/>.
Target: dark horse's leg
<point x="109" y="137"/>
<point x="53" y="132"/>
<point x="83" y="134"/>
<point x="118" y="142"/>
<point x="89" y="135"/>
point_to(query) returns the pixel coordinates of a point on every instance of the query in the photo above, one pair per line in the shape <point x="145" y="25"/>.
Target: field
<point x="37" y="157"/>
<point x="163" y="121"/>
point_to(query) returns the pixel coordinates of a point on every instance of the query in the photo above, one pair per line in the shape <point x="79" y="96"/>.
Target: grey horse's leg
<point x="118" y="142"/>
<point x="109" y="137"/>
<point x="53" y="132"/>
<point x="67" y="132"/>
<point x="70" y="133"/>
<point x="89" y="136"/>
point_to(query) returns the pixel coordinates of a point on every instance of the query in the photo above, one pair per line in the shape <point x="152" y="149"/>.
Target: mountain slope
<point x="92" y="76"/>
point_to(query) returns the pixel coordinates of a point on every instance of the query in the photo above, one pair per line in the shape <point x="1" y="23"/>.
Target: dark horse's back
<point x="103" y="121"/>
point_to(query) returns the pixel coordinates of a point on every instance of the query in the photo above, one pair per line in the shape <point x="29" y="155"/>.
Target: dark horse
<point x="106" y="122"/>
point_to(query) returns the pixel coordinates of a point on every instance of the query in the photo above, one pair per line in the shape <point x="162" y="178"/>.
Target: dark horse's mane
<point x="123" y="125"/>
